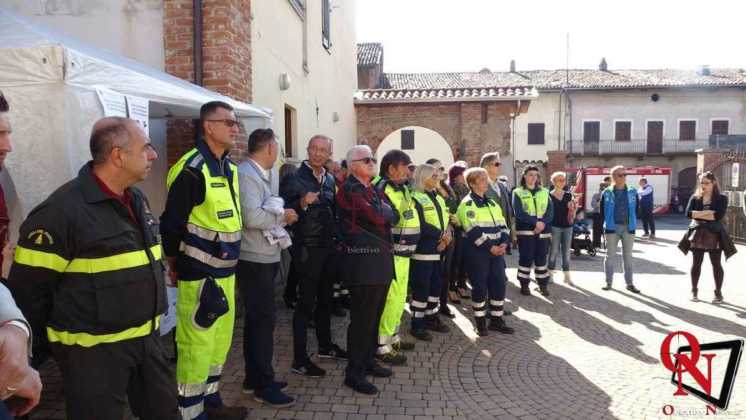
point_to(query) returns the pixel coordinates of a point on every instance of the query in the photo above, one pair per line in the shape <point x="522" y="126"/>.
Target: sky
<point x="469" y="35"/>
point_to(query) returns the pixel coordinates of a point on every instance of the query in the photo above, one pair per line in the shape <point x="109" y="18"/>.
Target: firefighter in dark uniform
<point x="533" y="213"/>
<point x="89" y="276"/>
<point x="425" y="273"/>
<point x="485" y="243"/>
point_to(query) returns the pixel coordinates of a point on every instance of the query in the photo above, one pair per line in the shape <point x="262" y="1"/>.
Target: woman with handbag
<point x="707" y="208"/>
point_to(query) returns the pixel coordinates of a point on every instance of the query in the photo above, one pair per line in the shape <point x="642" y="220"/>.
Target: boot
<point x="433" y="323"/>
<point x="694" y="295"/>
<point x="481" y="326"/>
<point x="525" y="291"/>
<point x="544" y="289"/>
<point x="497" y="324"/>
<point x="568" y="280"/>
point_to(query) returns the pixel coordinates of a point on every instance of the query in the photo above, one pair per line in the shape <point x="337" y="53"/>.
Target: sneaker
<point x="645" y="235"/>
<point x="403" y="345"/>
<point x="652" y="236"/>
<point x="334" y="352"/>
<point x="433" y="323"/>
<point x="607" y="287"/>
<point x="393" y="357"/>
<point x="633" y="289"/>
<point x="249" y="389"/>
<point x="568" y="278"/>
<point x="422" y="335"/>
<point x="718" y="297"/>
<point x="274" y="398"/>
<point x="308" y="369"/>
<point x="361" y="385"/>
<point x="225" y="412"/>
<point x="694" y="295"/>
<point x="378" y="371"/>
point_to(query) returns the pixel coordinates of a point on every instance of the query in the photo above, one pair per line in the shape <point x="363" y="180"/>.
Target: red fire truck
<point x="587" y="181"/>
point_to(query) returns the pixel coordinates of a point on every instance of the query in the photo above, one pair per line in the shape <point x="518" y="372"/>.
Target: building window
<point x="720" y="127"/>
<point x="289" y="130"/>
<point x="687" y="130"/>
<point x="326" y="26"/>
<point x="536" y="133"/>
<point x="299" y="6"/>
<point x="622" y="130"/>
<point x="407" y="139"/>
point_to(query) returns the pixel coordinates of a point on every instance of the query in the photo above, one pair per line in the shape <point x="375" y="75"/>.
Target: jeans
<point x="612" y="241"/>
<point x="561" y="238"/>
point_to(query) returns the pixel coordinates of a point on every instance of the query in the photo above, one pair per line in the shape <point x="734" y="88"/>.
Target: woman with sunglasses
<point x="425" y="274"/>
<point x="533" y="212"/>
<point x="707" y="208"/>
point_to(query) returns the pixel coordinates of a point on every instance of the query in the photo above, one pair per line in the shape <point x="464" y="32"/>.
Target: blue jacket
<point x="646" y="198"/>
<point x="607" y="209"/>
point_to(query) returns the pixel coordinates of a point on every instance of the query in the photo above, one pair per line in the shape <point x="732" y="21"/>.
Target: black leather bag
<point x="212" y="304"/>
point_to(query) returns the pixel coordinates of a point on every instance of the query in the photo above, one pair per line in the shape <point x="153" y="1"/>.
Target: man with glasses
<point x="367" y="266"/>
<point x="201" y="228"/>
<point x="619" y="213"/>
<point x="498" y="191"/>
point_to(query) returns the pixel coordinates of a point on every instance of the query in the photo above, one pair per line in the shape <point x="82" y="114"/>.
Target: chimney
<point x="512" y="66"/>
<point x="603" y="66"/>
<point x="704" y="70"/>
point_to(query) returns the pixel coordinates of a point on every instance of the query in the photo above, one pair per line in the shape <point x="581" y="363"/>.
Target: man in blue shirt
<point x="619" y="214"/>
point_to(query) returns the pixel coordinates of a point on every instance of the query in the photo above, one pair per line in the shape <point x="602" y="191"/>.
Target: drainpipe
<point x="197" y="41"/>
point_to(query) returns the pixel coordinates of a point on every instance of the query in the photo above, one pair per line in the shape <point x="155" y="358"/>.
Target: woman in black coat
<point x="707" y="208"/>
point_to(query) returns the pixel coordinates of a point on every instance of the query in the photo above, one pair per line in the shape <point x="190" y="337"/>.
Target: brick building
<point x="434" y="120"/>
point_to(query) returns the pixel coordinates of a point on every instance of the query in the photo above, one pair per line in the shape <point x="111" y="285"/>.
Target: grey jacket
<point x="503" y="200"/>
<point x="8" y="309"/>
<point x="254" y="189"/>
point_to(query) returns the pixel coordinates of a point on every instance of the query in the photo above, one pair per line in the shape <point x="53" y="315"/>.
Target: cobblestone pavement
<point x="581" y="353"/>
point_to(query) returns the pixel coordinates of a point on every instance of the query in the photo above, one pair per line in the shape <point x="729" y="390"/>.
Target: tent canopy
<point x="31" y="55"/>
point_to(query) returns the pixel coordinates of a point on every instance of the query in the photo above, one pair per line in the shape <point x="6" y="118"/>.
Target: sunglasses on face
<point x="366" y="160"/>
<point x="228" y="122"/>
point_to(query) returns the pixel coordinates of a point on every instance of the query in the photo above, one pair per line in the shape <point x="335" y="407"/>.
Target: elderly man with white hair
<point x="365" y="220"/>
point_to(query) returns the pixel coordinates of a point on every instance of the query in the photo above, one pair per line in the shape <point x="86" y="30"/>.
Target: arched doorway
<point x="688" y="178"/>
<point x="419" y="143"/>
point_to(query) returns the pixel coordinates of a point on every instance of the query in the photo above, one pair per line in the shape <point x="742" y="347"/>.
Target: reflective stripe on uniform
<point x="525" y="233"/>
<point x="488" y="224"/>
<point x="405" y="231"/>
<point x="212" y="387"/>
<point x="404" y="248"/>
<point x="89" y="340"/>
<point x="496" y="302"/>
<point x="191" y="390"/>
<point x="112" y="263"/>
<point x="206" y="258"/>
<point x="212" y="235"/>
<point x="40" y="259"/>
<point x="545" y="235"/>
<point x="486" y="237"/>
<point x="418" y="304"/>
<point x="426" y="257"/>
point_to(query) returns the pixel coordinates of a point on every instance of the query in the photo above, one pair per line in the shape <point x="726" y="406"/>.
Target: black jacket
<point x="84" y="266"/>
<point x="720" y="206"/>
<point x="316" y="224"/>
<point x="365" y="238"/>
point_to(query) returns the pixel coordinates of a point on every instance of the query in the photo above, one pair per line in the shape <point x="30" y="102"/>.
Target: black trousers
<point x="316" y="285"/>
<point x="98" y="381"/>
<point x="256" y="283"/>
<point x="598" y="229"/>
<point x="366" y="307"/>
<point x="648" y="222"/>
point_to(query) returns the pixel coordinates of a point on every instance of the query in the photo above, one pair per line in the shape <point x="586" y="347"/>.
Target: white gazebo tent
<point x="51" y="82"/>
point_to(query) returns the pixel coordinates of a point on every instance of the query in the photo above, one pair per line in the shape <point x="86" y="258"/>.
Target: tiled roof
<point x="369" y="54"/>
<point x="444" y="95"/>
<point x="573" y="79"/>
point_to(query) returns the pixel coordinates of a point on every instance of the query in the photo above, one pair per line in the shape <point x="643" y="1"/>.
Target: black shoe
<point x="497" y="324"/>
<point x="694" y="295"/>
<point x="226" y="413"/>
<point x="307" y="368"/>
<point x="334" y="352"/>
<point x="289" y="302"/>
<point x="249" y="389"/>
<point x="718" y="297"/>
<point x="433" y="323"/>
<point x="378" y="371"/>
<point x="338" y="311"/>
<point x="607" y="287"/>
<point x="445" y="311"/>
<point x="361" y="385"/>
<point x="525" y="291"/>
<point x="422" y="335"/>
<point x="274" y="398"/>
<point x="544" y="290"/>
<point x="633" y="289"/>
<point x="481" y="328"/>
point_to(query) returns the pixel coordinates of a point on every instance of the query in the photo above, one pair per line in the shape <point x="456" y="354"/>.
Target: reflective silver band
<point x="545" y="235"/>
<point x="496" y="313"/>
<point x="418" y="304"/>
<point x="426" y="257"/>
<point x="404" y="248"/>
<point x="419" y="314"/>
<point x="192" y="412"/>
<point x="496" y="302"/>
<point x="215" y="370"/>
<point x="212" y="387"/>
<point x="206" y="258"/>
<point x="191" y="390"/>
<point x="477" y="305"/>
<point x="525" y="232"/>
<point x="523" y="275"/>
<point x="384" y="349"/>
<point x="405" y="231"/>
<point x="212" y="235"/>
<point x="480" y="314"/>
<point x="434" y="299"/>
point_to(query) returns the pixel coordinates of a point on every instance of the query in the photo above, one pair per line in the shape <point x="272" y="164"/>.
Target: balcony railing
<point x="634" y="147"/>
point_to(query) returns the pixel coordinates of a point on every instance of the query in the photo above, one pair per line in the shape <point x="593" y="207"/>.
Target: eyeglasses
<point x="228" y="122"/>
<point x="366" y="160"/>
<point x="497" y="164"/>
